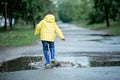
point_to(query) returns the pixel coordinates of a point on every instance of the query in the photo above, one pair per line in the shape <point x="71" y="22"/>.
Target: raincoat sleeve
<point x="58" y="31"/>
<point x="37" y="29"/>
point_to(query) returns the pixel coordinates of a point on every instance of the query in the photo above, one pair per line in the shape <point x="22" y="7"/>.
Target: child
<point x="47" y="28"/>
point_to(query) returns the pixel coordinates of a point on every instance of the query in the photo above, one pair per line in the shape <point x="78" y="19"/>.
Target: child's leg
<point x="52" y="50"/>
<point x="45" y="50"/>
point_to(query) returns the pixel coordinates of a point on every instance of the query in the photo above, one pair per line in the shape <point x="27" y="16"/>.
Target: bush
<point x="96" y="17"/>
<point x="67" y="11"/>
<point x="65" y="17"/>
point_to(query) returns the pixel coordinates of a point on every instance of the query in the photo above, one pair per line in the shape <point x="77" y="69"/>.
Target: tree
<point x="9" y="10"/>
<point x="110" y="8"/>
<point x="3" y="11"/>
<point x="28" y="10"/>
<point x="35" y="9"/>
<point x="70" y="10"/>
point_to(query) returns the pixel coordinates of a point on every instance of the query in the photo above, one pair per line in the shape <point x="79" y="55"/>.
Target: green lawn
<point x="21" y="35"/>
<point x="113" y="29"/>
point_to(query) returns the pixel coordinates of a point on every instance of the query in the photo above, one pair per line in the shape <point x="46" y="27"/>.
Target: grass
<point x="113" y="29"/>
<point x="21" y="35"/>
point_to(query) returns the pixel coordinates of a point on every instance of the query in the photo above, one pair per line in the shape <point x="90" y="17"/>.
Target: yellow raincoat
<point x="47" y="28"/>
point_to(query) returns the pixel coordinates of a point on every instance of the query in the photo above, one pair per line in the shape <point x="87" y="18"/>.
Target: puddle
<point x="18" y="64"/>
<point x="30" y="63"/>
<point x="115" y="43"/>
<point x="104" y="35"/>
<point x="103" y="38"/>
<point x="97" y="40"/>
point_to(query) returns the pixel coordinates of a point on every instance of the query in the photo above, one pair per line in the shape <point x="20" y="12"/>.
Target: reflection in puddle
<point x="76" y="62"/>
<point x="18" y="64"/>
<point x="104" y="61"/>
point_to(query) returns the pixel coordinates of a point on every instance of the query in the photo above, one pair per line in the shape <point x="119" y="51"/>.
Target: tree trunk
<point x="5" y="14"/>
<point x="33" y="16"/>
<point x="34" y="22"/>
<point x="10" y="19"/>
<point x="106" y="15"/>
<point x="10" y="22"/>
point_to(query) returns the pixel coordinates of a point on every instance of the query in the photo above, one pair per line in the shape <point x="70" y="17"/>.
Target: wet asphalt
<point x="79" y="42"/>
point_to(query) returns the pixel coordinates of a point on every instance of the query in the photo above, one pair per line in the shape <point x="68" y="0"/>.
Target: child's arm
<point x="37" y="29"/>
<point x="59" y="32"/>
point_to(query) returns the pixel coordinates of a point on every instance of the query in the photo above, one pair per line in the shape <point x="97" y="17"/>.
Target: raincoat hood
<point x="49" y="18"/>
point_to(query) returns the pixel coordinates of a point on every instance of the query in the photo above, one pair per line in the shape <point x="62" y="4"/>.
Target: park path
<point x="84" y="40"/>
<point x="79" y="42"/>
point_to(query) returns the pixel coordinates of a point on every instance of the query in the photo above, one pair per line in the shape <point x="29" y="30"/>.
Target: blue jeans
<point x="47" y="45"/>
